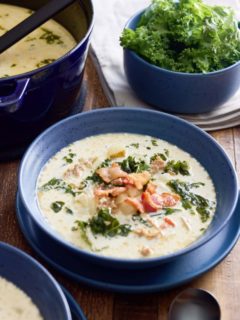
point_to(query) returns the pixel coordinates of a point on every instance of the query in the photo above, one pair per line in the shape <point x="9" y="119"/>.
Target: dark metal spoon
<point x="194" y="304"/>
<point x="32" y="22"/>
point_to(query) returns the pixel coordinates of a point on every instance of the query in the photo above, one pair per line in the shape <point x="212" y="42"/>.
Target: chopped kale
<point x="106" y="163"/>
<point x="166" y="151"/>
<point x="190" y="199"/>
<point x="82" y="225"/>
<point x="176" y="167"/>
<point x="169" y="211"/>
<point x="156" y="155"/>
<point x="105" y="224"/>
<point x="69" y="157"/>
<point x="59" y="184"/>
<point x="204" y="213"/>
<point x="51" y="184"/>
<point x="68" y="210"/>
<point x="165" y="212"/>
<point x="135" y="145"/>
<point x="197" y="184"/>
<point x="50" y="37"/>
<point x="130" y="165"/>
<point x="154" y="142"/>
<point x="57" y="206"/>
<point x="95" y="178"/>
<point x="44" y="62"/>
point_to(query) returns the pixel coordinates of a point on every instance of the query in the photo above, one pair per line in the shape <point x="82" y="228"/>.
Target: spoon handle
<point x="32" y="22"/>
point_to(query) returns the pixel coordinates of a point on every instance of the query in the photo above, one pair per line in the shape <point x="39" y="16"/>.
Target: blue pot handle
<point x="12" y="102"/>
<point x="76" y="311"/>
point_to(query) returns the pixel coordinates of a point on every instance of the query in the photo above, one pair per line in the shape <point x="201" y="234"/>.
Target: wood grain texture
<point x="223" y="281"/>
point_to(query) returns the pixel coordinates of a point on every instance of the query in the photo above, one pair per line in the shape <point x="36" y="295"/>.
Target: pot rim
<point x="60" y="59"/>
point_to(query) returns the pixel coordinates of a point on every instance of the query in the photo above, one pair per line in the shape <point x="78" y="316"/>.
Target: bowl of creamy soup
<point x="41" y="75"/>
<point x="27" y="290"/>
<point x="127" y="187"/>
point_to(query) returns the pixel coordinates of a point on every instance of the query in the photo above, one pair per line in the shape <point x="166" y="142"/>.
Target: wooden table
<point x="223" y="281"/>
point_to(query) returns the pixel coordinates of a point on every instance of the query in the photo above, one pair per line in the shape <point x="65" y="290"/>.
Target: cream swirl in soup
<point x="41" y="47"/>
<point x="16" y="304"/>
<point x="126" y="195"/>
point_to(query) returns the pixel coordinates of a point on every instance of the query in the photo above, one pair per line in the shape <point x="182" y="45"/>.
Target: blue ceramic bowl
<point x="177" y="91"/>
<point x="172" y="129"/>
<point x="27" y="274"/>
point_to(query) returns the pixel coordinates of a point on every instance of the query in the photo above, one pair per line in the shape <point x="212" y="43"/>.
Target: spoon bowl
<point x="194" y="304"/>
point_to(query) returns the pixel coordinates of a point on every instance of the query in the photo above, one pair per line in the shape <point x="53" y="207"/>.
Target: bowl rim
<point x="168" y="71"/>
<point x="61" y="58"/>
<point x="31" y="261"/>
<point x="106" y="259"/>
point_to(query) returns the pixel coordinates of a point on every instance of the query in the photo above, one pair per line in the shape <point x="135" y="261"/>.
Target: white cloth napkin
<point x="110" y="19"/>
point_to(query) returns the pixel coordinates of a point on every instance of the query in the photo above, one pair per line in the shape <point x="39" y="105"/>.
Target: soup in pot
<point x="126" y="195"/>
<point x="41" y="47"/>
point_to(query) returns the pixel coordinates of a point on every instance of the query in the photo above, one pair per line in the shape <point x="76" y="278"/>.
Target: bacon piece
<point x="114" y="192"/>
<point x="165" y="199"/>
<point x="148" y="204"/>
<point x="135" y="203"/>
<point x="111" y="173"/>
<point x="122" y="181"/>
<point x="140" y="179"/>
<point x="153" y="202"/>
<point x="169" y="221"/>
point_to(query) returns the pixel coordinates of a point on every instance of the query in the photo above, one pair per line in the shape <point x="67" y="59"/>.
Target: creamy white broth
<point x="41" y="47"/>
<point x="15" y="304"/>
<point x="66" y="195"/>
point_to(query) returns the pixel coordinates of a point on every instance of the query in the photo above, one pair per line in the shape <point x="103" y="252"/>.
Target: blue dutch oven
<point x="31" y="101"/>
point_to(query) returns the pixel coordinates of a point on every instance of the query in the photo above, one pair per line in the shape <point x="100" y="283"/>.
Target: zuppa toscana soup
<point x="126" y="195"/>
<point x="41" y="47"/>
<point x="16" y="304"/>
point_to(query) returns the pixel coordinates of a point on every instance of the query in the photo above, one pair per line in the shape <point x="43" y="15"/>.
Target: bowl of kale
<point x="183" y="56"/>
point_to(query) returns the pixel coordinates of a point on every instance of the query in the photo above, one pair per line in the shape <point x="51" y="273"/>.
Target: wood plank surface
<point x="223" y="281"/>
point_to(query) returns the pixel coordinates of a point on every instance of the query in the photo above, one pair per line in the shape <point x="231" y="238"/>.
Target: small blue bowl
<point x="160" y="125"/>
<point x="27" y="274"/>
<point x="177" y="91"/>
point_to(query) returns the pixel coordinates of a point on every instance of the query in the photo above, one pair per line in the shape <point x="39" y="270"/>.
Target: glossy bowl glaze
<point x="177" y="91"/>
<point x="172" y="129"/>
<point x="27" y="274"/>
<point x="32" y="101"/>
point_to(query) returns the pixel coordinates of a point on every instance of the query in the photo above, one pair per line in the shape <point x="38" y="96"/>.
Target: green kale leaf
<point x="186" y="36"/>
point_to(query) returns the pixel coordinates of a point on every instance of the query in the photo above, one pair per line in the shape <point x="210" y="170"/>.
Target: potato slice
<point x="116" y="152"/>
